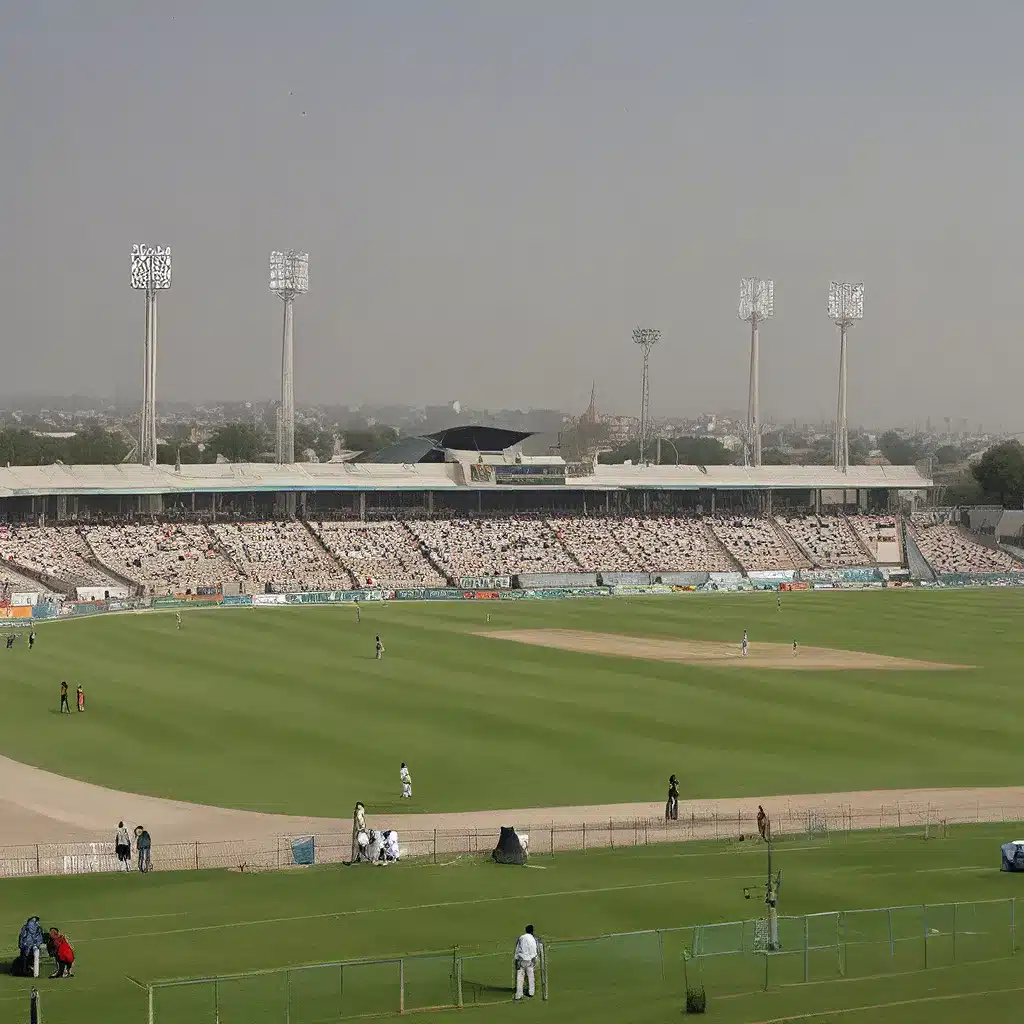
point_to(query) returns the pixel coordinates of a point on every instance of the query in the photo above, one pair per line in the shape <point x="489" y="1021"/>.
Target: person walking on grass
<point x="143" y="845"/>
<point x="64" y="705"/>
<point x="406" y="780"/>
<point x="80" y="695"/>
<point x="672" y="804"/>
<point x="380" y="648"/>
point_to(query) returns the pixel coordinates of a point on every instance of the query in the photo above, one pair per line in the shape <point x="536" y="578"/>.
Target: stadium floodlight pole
<point x="151" y="273"/>
<point x="289" y="276"/>
<point x="646" y="338"/>
<point x="757" y="304"/>
<point x="845" y="305"/>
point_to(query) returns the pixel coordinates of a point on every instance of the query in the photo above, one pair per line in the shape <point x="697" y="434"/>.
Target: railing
<point x="826" y="823"/>
<point x="725" y="958"/>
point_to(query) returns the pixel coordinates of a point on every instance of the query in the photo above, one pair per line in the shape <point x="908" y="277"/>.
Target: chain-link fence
<point x="724" y="958"/>
<point x="825" y="823"/>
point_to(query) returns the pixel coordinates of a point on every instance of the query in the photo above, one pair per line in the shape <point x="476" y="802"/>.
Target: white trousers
<point x="524" y="971"/>
<point x="407" y="789"/>
<point x="35" y="962"/>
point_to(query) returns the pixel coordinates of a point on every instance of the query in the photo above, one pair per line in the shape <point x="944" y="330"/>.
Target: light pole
<point x="845" y="305"/>
<point x="289" y="276"/>
<point x="646" y="338"/>
<point x="151" y="272"/>
<point x="757" y="304"/>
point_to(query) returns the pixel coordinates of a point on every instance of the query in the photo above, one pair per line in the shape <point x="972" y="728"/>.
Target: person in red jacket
<point x="62" y="953"/>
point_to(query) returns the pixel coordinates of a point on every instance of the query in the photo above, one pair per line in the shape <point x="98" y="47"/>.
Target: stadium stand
<point x="643" y="544"/>
<point x="828" y="541"/>
<point x="381" y="553"/>
<point x="57" y="552"/>
<point x="493" y="546"/>
<point x="12" y="582"/>
<point x="880" y="535"/>
<point x="948" y="549"/>
<point x="756" y="544"/>
<point x="283" y="556"/>
<point x="162" y="558"/>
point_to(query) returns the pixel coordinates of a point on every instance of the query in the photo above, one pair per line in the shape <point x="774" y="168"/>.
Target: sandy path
<point x="40" y="807"/>
<point x="703" y="652"/>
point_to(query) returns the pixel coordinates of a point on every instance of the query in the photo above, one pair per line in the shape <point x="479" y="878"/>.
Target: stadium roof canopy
<point x="479" y="439"/>
<point x="408" y="451"/>
<point x="30" y="481"/>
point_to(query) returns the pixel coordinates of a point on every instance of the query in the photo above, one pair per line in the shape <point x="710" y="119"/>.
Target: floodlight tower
<point x="151" y="273"/>
<point x="289" y="276"/>
<point x="757" y="304"/>
<point x="646" y="338"/>
<point x="845" y="305"/>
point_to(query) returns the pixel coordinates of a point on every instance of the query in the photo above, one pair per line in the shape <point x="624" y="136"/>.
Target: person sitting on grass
<point x="63" y="952"/>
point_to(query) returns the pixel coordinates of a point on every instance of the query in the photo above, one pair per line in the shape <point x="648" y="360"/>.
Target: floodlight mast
<point x="757" y="304"/>
<point x="289" y="276"/>
<point x="646" y="338"/>
<point x="845" y="305"/>
<point x="151" y="272"/>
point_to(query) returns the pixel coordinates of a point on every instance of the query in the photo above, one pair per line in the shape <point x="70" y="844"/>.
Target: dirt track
<point x="701" y="652"/>
<point x="40" y="807"/>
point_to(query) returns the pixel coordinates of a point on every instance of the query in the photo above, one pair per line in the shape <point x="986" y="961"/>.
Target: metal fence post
<point x="807" y="950"/>
<point x="544" y="971"/>
<point x="1013" y="929"/>
<point x="197" y="855"/>
<point x="287" y="997"/>
<point x="584" y="837"/>
<point x="435" y="845"/>
<point x="661" y="954"/>
<point x="216" y="1001"/>
<point x="37" y="859"/>
<point x="149" y="999"/>
<point x="401" y="985"/>
<point x="458" y="982"/>
<point x="892" y="944"/>
<point x="924" y="915"/>
<point x="954" y="933"/>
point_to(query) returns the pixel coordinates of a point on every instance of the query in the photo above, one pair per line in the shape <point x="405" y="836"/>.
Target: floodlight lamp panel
<point x="646" y="336"/>
<point x="151" y="267"/>
<point x="289" y="271"/>
<point x="757" y="299"/>
<point x="845" y="301"/>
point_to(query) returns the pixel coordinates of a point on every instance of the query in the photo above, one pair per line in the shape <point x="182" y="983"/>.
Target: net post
<point x="216" y="1001"/>
<point x="287" y="997"/>
<point x="1013" y="928"/>
<point x="341" y="989"/>
<point x="401" y="985"/>
<point x="544" y="972"/>
<point x="584" y="837"/>
<point x="924" y="915"/>
<point x="458" y="977"/>
<point x="35" y="1006"/>
<point x="435" y="845"/>
<point x="149" y="1004"/>
<point x="197" y="855"/>
<point x="807" y="951"/>
<point x="954" y="933"/>
<point x="892" y="944"/>
<point x="661" y="953"/>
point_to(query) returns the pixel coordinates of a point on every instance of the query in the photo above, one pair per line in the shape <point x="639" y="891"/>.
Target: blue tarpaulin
<point x="304" y="850"/>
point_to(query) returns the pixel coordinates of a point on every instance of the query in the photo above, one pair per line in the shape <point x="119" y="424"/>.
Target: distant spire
<point x="591" y="414"/>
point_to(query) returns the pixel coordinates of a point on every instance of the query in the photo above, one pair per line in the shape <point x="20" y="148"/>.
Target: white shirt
<point x="526" y="947"/>
<point x="360" y="820"/>
<point x="122" y="838"/>
<point x="404" y="775"/>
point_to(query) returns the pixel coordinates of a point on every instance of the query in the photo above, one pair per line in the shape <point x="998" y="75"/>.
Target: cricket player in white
<point x="744" y="644"/>
<point x="526" y="959"/>
<point x="406" y="780"/>
<point x="358" y="825"/>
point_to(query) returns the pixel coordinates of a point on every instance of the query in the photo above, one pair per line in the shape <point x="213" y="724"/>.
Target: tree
<point x="237" y="442"/>
<point x="693" y="451"/>
<point x="320" y="441"/>
<point x="1000" y="473"/>
<point x="369" y="439"/>
<point x="899" y="450"/>
<point x="948" y="455"/>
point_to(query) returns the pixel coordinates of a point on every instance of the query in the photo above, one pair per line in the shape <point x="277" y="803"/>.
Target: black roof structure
<point x="408" y="451"/>
<point x="479" y="439"/>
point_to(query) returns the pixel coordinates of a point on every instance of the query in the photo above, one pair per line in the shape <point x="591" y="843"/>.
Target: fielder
<point x="380" y="648"/>
<point x="406" y="780"/>
<point x="177" y="620"/>
<point x="358" y="828"/>
<point x="744" y="645"/>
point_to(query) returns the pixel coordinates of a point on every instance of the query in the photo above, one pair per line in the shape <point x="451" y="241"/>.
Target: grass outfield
<point x="286" y="710"/>
<point x="173" y="925"/>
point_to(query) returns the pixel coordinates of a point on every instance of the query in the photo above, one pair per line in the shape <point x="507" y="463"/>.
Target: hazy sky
<point x="494" y="194"/>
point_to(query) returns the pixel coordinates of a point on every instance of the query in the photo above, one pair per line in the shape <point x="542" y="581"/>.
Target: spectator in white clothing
<point x="527" y="952"/>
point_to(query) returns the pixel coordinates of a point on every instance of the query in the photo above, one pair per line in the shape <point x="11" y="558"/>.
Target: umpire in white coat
<point x="527" y="951"/>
